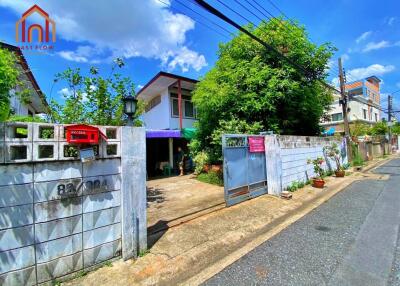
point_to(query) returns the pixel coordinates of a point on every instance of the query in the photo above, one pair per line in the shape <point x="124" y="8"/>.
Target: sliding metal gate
<point x="245" y="174"/>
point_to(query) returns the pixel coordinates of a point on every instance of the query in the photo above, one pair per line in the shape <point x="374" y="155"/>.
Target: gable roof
<point x="29" y="74"/>
<point x="163" y="80"/>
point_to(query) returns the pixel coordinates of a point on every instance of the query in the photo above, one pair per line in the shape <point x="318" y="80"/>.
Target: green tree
<point x="380" y="128"/>
<point x="8" y="80"/>
<point x="359" y="128"/>
<point x="252" y="86"/>
<point x="93" y="99"/>
<point x="396" y="128"/>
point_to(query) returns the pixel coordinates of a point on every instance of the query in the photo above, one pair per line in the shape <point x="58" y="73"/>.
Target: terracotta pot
<point x="318" y="183"/>
<point x="340" y="174"/>
<point x="206" y="168"/>
<point x="216" y="168"/>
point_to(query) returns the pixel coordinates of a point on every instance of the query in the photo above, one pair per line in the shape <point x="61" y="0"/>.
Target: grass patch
<point x="143" y="252"/>
<point x="211" y="177"/>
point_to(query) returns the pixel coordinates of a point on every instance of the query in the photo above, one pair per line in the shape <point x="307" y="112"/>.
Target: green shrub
<point x="295" y="186"/>
<point x="212" y="177"/>
<point x="200" y="160"/>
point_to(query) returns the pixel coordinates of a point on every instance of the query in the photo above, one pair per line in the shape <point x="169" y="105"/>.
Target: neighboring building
<point x="38" y="103"/>
<point x="168" y="119"/>
<point x="364" y="104"/>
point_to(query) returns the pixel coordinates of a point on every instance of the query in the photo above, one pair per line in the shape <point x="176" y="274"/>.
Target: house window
<point x="364" y="113"/>
<point x="189" y="112"/>
<point x="175" y="107"/>
<point x="337" y="116"/>
<point x="376" y="117"/>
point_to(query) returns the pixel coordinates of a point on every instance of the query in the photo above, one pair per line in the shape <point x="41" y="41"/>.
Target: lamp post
<point x="130" y="103"/>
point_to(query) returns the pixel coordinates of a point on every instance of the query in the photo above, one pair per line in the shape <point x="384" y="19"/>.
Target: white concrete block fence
<point x="59" y="216"/>
<point x="286" y="159"/>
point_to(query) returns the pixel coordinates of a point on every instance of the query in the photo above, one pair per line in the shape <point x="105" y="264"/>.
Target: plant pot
<point x="318" y="183"/>
<point x="206" y="168"/>
<point x="216" y="168"/>
<point x="340" y="174"/>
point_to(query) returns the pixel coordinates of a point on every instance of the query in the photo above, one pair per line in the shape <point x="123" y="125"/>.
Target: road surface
<point x="353" y="239"/>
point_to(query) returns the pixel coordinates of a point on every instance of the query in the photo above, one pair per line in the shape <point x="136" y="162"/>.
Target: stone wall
<point x="58" y="215"/>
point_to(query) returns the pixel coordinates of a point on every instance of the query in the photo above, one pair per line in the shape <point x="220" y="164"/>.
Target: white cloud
<point x="185" y="59"/>
<point x="73" y="56"/>
<point x="390" y="20"/>
<point x="375" y="69"/>
<point x="363" y="37"/>
<point x="360" y="73"/>
<point x="128" y="28"/>
<point x="65" y="92"/>
<point x="376" y="46"/>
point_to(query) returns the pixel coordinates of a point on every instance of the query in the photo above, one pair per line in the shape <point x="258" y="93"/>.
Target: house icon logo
<point x="43" y="31"/>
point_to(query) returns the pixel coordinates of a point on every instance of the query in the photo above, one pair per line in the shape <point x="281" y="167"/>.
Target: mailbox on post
<point x="82" y="134"/>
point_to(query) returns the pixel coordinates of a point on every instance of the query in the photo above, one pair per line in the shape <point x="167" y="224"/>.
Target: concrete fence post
<point x="133" y="168"/>
<point x="273" y="165"/>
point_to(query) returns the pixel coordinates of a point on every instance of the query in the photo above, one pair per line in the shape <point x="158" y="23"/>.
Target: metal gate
<point x="245" y="174"/>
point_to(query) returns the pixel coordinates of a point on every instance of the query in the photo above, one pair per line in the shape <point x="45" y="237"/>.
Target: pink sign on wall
<point x="256" y="144"/>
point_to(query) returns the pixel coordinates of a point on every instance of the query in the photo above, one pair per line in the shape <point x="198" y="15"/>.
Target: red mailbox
<point x="83" y="134"/>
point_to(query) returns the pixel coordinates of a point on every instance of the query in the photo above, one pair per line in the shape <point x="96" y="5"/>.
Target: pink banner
<point x="256" y="144"/>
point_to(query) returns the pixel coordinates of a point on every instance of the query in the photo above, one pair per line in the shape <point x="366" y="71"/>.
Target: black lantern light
<point x="130" y="104"/>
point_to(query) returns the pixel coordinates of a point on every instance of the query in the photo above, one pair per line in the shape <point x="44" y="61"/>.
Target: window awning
<point x="187" y="133"/>
<point x="163" y="134"/>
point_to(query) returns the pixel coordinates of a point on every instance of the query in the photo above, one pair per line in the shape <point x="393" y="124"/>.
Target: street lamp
<point x="130" y="103"/>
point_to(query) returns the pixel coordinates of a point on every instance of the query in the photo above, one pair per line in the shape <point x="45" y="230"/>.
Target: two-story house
<point x="168" y="118"/>
<point x="37" y="103"/>
<point x="364" y="105"/>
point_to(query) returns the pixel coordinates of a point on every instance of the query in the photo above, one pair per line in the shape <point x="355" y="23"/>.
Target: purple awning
<point x="163" y="134"/>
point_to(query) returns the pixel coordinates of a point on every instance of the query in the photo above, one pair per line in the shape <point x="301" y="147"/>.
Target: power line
<point x="335" y="68"/>
<point x="243" y="17"/>
<point x="248" y="10"/>
<point x="200" y="22"/>
<point x="270" y="48"/>
<point x="204" y="17"/>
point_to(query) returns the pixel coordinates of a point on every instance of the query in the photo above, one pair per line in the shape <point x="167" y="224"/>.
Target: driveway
<point x="174" y="200"/>
<point x="353" y="239"/>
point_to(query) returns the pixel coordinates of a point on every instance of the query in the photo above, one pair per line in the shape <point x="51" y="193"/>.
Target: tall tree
<point x="251" y="89"/>
<point x="93" y="99"/>
<point x="9" y="79"/>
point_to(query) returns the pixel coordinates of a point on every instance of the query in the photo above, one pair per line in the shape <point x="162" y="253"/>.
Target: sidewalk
<point x="192" y="252"/>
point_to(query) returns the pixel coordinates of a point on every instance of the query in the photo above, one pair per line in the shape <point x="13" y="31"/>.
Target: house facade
<point x="169" y="117"/>
<point x="37" y="103"/>
<point x="364" y="105"/>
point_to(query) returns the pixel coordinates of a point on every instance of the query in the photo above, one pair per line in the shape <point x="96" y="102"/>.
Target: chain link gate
<point x="245" y="174"/>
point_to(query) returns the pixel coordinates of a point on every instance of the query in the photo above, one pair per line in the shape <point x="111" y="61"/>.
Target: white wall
<point x="186" y="123"/>
<point x="356" y="111"/>
<point x="158" y="117"/>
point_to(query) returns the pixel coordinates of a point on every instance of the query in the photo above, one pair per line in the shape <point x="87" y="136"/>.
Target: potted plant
<point x="333" y="152"/>
<point x="318" y="182"/>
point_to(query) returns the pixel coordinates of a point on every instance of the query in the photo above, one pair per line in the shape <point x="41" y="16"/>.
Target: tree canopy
<point x="251" y="89"/>
<point x="93" y="99"/>
<point x="8" y="80"/>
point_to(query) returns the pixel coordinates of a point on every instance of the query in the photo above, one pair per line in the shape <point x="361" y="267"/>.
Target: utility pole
<point x="343" y="102"/>
<point x="390" y="106"/>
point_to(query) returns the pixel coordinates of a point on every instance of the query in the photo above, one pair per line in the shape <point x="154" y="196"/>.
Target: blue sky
<point x="153" y="36"/>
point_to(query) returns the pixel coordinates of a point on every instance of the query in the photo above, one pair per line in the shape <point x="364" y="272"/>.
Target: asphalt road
<point x="353" y="239"/>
